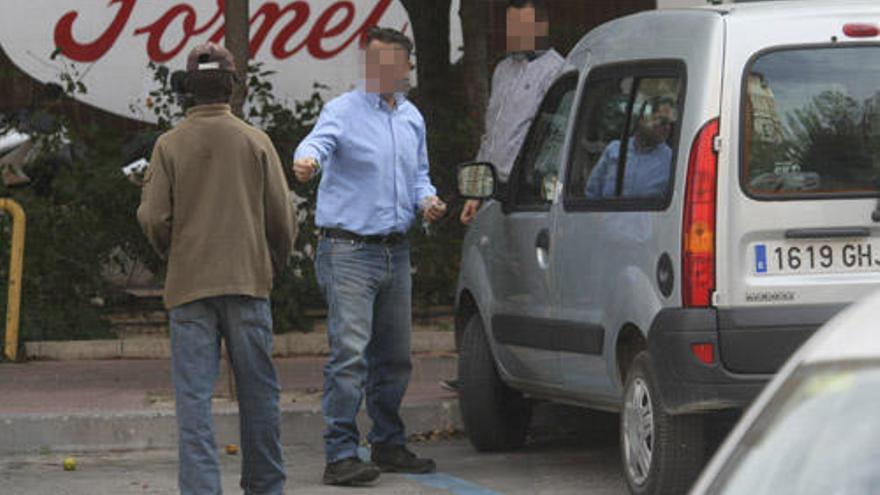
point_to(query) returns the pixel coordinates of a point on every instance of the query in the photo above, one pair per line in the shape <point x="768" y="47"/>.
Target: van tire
<point x="495" y="416"/>
<point x="677" y="451"/>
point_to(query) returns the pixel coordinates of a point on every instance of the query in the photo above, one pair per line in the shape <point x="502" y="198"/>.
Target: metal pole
<point x="16" y="266"/>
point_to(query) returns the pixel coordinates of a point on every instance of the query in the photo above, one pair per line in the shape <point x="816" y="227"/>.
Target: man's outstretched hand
<point x="305" y="168"/>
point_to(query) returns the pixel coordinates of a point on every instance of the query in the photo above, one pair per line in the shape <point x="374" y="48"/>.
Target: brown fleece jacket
<point x="215" y="203"/>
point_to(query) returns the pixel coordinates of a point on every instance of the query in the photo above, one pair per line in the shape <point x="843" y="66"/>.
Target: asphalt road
<point x="577" y="454"/>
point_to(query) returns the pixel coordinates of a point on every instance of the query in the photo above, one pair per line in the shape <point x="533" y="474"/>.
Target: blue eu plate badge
<point x="761" y="258"/>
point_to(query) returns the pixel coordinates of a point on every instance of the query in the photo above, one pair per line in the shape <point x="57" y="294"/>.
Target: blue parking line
<point x="451" y="483"/>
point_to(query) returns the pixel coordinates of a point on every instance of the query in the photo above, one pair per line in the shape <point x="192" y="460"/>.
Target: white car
<point x="815" y="429"/>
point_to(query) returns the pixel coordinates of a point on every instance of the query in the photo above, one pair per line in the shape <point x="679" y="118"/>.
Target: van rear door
<point x="799" y="171"/>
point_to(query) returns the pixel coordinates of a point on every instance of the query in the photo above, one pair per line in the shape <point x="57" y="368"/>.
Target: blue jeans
<point x="196" y="329"/>
<point x="368" y="289"/>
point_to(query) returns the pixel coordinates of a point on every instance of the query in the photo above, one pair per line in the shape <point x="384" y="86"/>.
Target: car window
<point x="820" y="435"/>
<point x="811" y="123"/>
<point x="648" y="162"/>
<point x="625" y="141"/>
<point x="538" y="163"/>
<point x="602" y="121"/>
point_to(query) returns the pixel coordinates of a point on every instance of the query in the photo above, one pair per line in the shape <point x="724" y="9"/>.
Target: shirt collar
<point x="209" y="110"/>
<point x="527" y="55"/>
<point x="375" y="100"/>
<point x="644" y="150"/>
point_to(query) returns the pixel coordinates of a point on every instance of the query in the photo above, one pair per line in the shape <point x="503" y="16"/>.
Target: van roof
<point x="782" y="10"/>
<point x="788" y="8"/>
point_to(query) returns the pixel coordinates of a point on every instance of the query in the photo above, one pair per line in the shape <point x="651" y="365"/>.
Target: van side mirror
<point x="477" y="180"/>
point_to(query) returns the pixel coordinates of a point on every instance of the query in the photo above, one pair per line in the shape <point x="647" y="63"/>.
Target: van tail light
<point x="698" y="235"/>
<point x="861" y="30"/>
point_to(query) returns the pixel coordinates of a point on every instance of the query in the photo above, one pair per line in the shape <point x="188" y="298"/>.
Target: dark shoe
<point x="350" y="471"/>
<point x="398" y="459"/>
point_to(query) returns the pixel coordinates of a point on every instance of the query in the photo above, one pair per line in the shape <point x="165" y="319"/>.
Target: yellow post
<point x="16" y="265"/>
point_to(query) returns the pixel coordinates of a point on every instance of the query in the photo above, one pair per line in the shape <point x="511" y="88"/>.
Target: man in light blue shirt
<point x="369" y="146"/>
<point x="648" y="157"/>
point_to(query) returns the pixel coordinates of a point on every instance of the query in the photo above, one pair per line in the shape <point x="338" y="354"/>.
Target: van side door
<point x="615" y="217"/>
<point x="519" y="266"/>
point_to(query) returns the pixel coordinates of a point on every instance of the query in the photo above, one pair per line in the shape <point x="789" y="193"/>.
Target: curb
<point x="285" y="345"/>
<point x="141" y="430"/>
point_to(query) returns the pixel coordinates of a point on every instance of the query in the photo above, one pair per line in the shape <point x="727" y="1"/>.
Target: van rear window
<point x="812" y="123"/>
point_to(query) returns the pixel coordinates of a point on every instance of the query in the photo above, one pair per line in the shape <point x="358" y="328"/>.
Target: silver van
<point x="694" y="199"/>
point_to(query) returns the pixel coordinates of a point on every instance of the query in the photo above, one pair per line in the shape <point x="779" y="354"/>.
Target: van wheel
<point x="495" y="416"/>
<point x="662" y="453"/>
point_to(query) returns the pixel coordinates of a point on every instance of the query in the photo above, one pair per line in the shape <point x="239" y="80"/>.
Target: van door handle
<point x="542" y="248"/>
<point x="827" y="233"/>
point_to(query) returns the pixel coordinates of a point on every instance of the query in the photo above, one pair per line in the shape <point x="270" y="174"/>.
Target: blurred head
<point x="210" y="70"/>
<point x="658" y="116"/>
<point x="528" y="27"/>
<point x="387" y="61"/>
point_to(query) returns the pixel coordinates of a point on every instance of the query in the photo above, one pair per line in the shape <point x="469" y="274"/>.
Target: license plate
<point x="806" y="257"/>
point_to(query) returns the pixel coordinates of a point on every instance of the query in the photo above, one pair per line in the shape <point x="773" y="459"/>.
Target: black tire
<point x="676" y="443"/>
<point x="495" y="416"/>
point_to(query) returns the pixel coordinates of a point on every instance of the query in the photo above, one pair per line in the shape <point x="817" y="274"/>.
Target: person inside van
<point x="648" y="156"/>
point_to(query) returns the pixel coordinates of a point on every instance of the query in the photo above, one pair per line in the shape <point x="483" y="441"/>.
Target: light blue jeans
<point x="196" y="329"/>
<point x="368" y="289"/>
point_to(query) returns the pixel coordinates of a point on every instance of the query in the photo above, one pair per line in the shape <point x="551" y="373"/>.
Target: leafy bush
<point x="78" y="213"/>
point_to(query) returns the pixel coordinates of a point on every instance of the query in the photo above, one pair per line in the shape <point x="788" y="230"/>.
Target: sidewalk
<point x="127" y="403"/>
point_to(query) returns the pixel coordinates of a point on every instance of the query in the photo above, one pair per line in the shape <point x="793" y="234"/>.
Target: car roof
<point x="854" y="334"/>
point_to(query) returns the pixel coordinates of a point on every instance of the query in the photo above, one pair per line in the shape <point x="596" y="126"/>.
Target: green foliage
<point x="78" y="212"/>
<point x="162" y="100"/>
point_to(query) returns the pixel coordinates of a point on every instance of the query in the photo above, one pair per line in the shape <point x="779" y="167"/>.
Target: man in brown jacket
<point x="216" y="205"/>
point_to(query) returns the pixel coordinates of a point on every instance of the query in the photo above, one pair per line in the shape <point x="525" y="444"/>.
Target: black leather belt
<point x="393" y="238"/>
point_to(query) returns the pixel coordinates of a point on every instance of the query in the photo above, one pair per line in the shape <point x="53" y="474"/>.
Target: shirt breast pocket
<point x="409" y="150"/>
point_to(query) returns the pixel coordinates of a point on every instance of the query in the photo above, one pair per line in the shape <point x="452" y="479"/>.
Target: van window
<point x="537" y="168"/>
<point x="811" y="123"/>
<point x="624" y="144"/>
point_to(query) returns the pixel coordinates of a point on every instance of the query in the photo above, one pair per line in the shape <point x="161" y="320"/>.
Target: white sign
<point x="111" y="43"/>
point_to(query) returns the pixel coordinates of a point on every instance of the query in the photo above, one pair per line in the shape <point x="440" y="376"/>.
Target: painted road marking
<point x="451" y="483"/>
<point x="442" y="481"/>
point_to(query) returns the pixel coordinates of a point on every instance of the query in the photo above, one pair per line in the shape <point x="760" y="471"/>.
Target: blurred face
<point x="655" y="126"/>
<point x="524" y="31"/>
<point x="387" y="68"/>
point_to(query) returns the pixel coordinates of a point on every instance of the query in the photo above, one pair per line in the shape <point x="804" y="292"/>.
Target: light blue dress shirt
<point x="646" y="174"/>
<point x="374" y="163"/>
